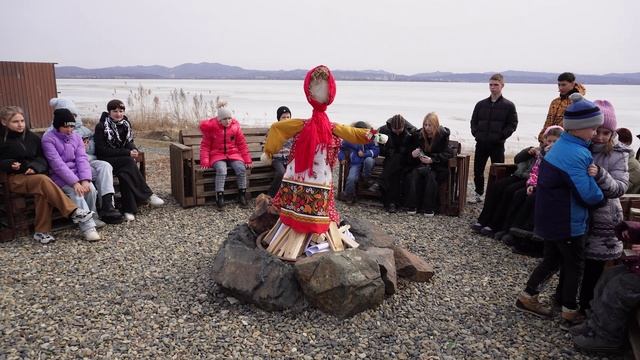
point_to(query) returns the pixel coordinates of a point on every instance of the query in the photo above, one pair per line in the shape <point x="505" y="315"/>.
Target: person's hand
<point x="530" y="189"/>
<point x="86" y="185"/>
<point x="426" y="160"/>
<point x="30" y="171"/>
<point x="534" y="151"/>
<point x="248" y="166"/>
<point x="343" y="162"/>
<point x="79" y="189"/>
<point x="415" y="153"/>
<point x="15" y="166"/>
<point x="592" y="170"/>
<point x="360" y="153"/>
<point x="625" y="235"/>
<point x="134" y="153"/>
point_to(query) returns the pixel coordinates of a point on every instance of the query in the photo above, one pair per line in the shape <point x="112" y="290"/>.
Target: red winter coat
<point x="220" y="143"/>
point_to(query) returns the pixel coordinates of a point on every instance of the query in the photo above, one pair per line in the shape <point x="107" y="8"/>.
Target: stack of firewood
<point x="286" y="243"/>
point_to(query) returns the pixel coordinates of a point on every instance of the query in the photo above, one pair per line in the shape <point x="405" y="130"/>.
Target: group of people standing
<point x="565" y="195"/>
<point x="72" y="168"/>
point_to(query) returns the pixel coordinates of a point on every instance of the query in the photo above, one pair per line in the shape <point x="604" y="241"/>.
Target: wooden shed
<point x="29" y="85"/>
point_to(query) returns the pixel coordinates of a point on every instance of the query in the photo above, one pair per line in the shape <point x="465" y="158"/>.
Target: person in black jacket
<point x="114" y="144"/>
<point x="395" y="166"/>
<point x="22" y="160"/>
<point x="429" y="160"/>
<point x="493" y="121"/>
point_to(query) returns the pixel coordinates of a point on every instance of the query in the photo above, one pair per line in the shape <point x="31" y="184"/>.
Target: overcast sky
<point x="402" y="36"/>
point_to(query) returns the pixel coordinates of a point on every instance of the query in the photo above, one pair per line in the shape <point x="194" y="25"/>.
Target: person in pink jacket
<point x="69" y="166"/>
<point x="223" y="144"/>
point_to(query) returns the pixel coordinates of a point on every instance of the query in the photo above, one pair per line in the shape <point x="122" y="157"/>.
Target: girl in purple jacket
<point x="69" y="166"/>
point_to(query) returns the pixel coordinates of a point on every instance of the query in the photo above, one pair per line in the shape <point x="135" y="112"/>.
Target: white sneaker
<point x="155" y="201"/>
<point x="81" y="215"/>
<point x="129" y="216"/>
<point x="91" y="235"/>
<point x="43" y="238"/>
<point x="99" y="223"/>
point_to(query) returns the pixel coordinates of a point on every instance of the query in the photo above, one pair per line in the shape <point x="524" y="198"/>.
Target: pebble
<point x="145" y="291"/>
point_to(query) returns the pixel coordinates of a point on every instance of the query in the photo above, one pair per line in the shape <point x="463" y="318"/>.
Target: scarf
<point x="316" y="134"/>
<point x="113" y="135"/>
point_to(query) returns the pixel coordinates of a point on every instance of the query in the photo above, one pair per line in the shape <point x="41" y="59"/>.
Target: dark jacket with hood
<point x="493" y="122"/>
<point x="397" y="145"/>
<point x="440" y="151"/>
<point x="24" y="148"/>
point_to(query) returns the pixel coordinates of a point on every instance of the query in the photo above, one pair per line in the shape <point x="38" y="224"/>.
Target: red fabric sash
<point x="316" y="133"/>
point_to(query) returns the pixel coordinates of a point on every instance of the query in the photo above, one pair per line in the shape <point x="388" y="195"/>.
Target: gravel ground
<point x="145" y="292"/>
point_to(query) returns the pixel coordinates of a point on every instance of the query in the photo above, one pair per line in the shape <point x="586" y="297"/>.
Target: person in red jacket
<point x="223" y="144"/>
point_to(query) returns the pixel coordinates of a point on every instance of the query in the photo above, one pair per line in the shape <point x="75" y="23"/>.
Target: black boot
<point x="108" y="212"/>
<point x="220" y="199"/>
<point x="242" y="198"/>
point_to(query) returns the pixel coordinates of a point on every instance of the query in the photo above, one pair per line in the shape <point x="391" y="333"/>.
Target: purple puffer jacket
<point x="68" y="161"/>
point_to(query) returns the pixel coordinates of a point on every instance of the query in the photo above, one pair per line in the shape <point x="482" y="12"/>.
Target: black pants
<point x="566" y="255"/>
<point x="484" y="151"/>
<point x="520" y="213"/>
<point x="423" y="189"/>
<point x="133" y="187"/>
<point x="279" y="166"/>
<point x="392" y="180"/>
<point x="592" y="271"/>
<point x="496" y="205"/>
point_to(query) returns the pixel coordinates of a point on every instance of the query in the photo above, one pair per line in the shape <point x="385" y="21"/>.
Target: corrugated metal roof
<point x="29" y="85"/>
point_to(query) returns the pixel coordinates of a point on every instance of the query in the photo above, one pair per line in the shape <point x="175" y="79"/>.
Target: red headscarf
<point x="316" y="133"/>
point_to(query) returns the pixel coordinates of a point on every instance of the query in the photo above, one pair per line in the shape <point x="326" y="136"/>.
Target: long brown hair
<point x="433" y="119"/>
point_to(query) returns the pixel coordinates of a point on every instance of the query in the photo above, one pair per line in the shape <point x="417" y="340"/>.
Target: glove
<point x="265" y="158"/>
<point x="380" y="138"/>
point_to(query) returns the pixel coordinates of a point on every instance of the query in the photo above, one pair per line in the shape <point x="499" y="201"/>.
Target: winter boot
<point x="220" y="199"/>
<point x="108" y="212"/>
<point x="242" y="198"/>
<point x="530" y="304"/>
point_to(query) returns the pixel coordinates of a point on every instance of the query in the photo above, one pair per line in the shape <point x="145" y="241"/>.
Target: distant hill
<point x="220" y="71"/>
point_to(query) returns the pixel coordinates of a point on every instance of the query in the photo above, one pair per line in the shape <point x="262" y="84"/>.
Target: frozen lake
<point x="255" y="101"/>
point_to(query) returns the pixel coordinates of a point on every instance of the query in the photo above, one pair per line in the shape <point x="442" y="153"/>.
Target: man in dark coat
<point x="493" y="121"/>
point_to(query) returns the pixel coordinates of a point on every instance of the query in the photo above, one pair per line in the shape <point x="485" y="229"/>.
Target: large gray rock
<point x="386" y="262"/>
<point x="252" y="275"/>
<point x="367" y="234"/>
<point x="341" y="283"/>
<point x="411" y="266"/>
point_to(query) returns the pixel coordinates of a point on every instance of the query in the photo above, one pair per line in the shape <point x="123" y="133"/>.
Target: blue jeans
<point x="354" y="174"/>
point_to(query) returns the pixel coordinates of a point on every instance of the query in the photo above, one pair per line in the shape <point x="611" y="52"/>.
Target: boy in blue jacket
<point x="564" y="195"/>
<point x="361" y="160"/>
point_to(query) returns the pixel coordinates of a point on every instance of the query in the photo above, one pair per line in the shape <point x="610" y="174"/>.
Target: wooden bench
<point x="452" y="193"/>
<point x="17" y="211"/>
<point x="193" y="186"/>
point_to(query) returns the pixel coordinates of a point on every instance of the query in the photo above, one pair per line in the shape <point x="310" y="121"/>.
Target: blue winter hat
<point x="581" y="114"/>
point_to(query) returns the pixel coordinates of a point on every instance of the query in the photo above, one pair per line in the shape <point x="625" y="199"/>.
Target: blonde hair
<point x="432" y="119"/>
<point x="7" y="113"/>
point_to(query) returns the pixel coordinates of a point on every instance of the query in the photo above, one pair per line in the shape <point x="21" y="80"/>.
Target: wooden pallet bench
<point x="17" y="211"/>
<point x="452" y="192"/>
<point x="192" y="186"/>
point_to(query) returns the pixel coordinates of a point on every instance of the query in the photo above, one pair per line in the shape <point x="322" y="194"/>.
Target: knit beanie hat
<point x="581" y="114"/>
<point x="60" y="103"/>
<point x="608" y="113"/>
<point x="551" y="128"/>
<point x="282" y="110"/>
<point x="63" y="117"/>
<point x="224" y="113"/>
